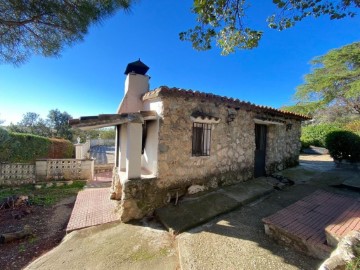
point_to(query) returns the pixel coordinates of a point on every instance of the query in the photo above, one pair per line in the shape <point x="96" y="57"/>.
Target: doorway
<point x="260" y="149"/>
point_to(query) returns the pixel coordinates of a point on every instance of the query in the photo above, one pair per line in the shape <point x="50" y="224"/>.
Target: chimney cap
<point x="138" y="67"/>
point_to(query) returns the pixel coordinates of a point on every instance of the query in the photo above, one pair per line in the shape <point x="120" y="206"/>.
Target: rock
<point x="38" y="186"/>
<point x="49" y="184"/>
<point x="116" y="187"/>
<point x="59" y="184"/>
<point x="195" y="189"/>
<point x="68" y="183"/>
<point x="344" y="253"/>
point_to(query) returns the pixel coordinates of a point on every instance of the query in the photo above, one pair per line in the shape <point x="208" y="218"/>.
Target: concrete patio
<point x="234" y="240"/>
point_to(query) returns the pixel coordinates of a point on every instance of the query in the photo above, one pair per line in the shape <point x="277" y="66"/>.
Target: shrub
<point x="4" y="142"/>
<point x="26" y="148"/>
<point x="316" y="134"/>
<point x="343" y="145"/>
<point x="60" y="148"/>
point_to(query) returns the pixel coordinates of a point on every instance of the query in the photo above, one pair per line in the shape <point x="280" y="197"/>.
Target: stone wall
<point x="283" y="146"/>
<point x="232" y="151"/>
<point x="17" y="174"/>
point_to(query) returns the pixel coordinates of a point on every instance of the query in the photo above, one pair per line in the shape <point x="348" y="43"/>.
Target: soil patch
<point x="48" y="224"/>
<point x="47" y="216"/>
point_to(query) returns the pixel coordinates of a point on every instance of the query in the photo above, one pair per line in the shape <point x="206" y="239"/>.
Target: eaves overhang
<point x="108" y="120"/>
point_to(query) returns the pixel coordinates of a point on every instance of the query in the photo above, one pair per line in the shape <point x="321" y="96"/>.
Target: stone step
<point x="192" y="212"/>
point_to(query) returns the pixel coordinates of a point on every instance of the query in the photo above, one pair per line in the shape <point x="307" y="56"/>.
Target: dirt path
<point x="48" y="224"/>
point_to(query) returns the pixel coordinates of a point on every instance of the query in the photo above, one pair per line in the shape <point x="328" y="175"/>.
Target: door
<point x="260" y="150"/>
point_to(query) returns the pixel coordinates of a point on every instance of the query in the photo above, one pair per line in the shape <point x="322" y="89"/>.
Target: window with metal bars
<point x="201" y="139"/>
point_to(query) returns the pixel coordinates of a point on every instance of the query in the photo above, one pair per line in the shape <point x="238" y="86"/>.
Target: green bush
<point x="26" y="148"/>
<point x="343" y="145"/>
<point x="316" y="134"/>
<point x="4" y="142"/>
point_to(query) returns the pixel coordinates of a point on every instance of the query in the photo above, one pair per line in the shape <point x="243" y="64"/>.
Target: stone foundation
<point x="116" y="188"/>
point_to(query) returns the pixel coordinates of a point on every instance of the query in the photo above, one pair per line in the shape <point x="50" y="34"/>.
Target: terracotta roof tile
<point x="164" y="90"/>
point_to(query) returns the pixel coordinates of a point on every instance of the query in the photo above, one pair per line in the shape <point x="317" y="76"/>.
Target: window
<point x="201" y="139"/>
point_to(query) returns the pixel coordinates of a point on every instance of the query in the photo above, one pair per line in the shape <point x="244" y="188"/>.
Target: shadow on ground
<point x="231" y="241"/>
<point x="237" y="240"/>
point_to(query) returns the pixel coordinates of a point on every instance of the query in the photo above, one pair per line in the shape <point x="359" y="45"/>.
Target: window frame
<point x="201" y="139"/>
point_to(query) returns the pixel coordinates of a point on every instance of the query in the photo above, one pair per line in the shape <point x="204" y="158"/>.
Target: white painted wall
<point x="122" y="150"/>
<point x="133" y="150"/>
<point x="82" y="149"/>
<point x="150" y="157"/>
<point x="154" y="105"/>
<point x="135" y="86"/>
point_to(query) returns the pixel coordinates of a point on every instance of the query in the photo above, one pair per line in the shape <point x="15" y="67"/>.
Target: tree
<point x="334" y="83"/>
<point x="107" y="133"/>
<point x="222" y="21"/>
<point x="58" y="122"/>
<point x="31" y="123"/>
<point x="45" y="27"/>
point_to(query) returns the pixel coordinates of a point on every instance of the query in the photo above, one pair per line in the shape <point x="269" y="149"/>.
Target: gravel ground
<point x="238" y="241"/>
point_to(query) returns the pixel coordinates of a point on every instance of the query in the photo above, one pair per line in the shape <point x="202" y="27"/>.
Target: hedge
<point x="60" y="148"/>
<point x="316" y="134"/>
<point x="26" y="148"/>
<point x="343" y="145"/>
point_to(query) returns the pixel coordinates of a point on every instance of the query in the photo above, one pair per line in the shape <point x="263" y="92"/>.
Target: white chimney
<point x="136" y="84"/>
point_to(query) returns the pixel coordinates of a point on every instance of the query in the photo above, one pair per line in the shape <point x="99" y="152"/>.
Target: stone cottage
<point x="168" y="139"/>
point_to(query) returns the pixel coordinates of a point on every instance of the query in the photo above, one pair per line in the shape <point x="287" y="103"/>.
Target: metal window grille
<point x="201" y="139"/>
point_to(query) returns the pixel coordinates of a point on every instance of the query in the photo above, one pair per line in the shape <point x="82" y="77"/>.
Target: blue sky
<point x="88" y="78"/>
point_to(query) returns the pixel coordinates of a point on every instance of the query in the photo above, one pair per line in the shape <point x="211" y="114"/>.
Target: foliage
<point x="295" y="11"/>
<point x="222" y="21"/>
<point x="44" y="196"/>
<point x="58" y="122"/>
<point x="354" y="265"/>
<point x="4" y="143"/>
<point x="31" y="123"/>
<point x="25" y="148"/>
<point x="316" y="134"/>
<point x="60" y="148"/>
<point x="334" y="82"/>
<point x="56" y="125"/>
<point x="353" y="126"/>
<point x="45" y="27"/>
<point x="22" y="147"/>
<point x="107" y="133"/>
<point x="4" y="136"/>
<point x="103" y="133"/>
<point x="343" y="145"/>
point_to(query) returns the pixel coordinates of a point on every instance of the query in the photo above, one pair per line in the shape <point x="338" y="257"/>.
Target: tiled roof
<point x="236" y="103"/>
